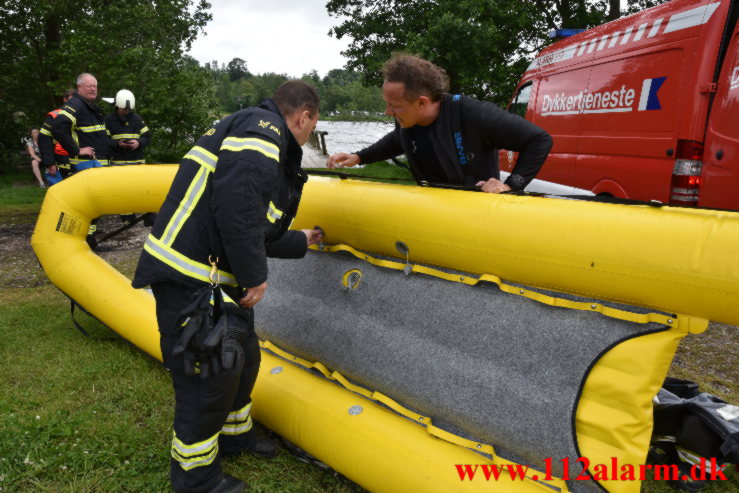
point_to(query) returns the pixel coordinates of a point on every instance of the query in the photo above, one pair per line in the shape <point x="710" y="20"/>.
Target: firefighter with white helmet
<point x="127" y="132"/>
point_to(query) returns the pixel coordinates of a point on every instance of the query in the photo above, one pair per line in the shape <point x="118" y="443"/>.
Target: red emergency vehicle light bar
<point x="686" y="175"/>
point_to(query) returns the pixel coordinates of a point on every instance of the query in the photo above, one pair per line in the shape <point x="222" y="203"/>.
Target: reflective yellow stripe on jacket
<point x="182" y="264"/>
<point x="92" y="128"/>
<point x="126" y="136"/>
<point x="265" y="147"/>
<point x="69" y="115"/>
<point x="78" y="160"/>
<point x="207" y="161"/>
<point x="161" y="248"/>
<point x="273" y="213"/>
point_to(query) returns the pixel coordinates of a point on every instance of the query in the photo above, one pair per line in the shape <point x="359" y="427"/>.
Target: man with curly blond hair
<point x="449" y="139"/>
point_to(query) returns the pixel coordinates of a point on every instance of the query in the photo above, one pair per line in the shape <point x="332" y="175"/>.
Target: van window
<point x="521" y="102"/>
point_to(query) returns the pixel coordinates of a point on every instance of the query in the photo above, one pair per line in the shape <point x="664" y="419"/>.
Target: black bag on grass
<point x="690" y="425"/>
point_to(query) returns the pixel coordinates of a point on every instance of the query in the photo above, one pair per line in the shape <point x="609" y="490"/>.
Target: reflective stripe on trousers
<point x="196" y="454"/>
<point x="238" y="422"/>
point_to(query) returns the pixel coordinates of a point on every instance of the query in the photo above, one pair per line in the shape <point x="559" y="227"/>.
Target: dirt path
<point x="21" y="268"/>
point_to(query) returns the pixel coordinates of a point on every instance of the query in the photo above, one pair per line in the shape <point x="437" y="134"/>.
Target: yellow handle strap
<point x="640" y="318"/>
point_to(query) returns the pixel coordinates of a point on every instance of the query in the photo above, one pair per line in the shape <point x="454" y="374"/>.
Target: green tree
<point x="480" y="43"/>
<point x="265" y="86"/>
<point x="342" y="90"/>
<point x="484" y="45"/>
<point x="237" y="69"/>
<point x="341" y="77"/>
<point x="137" y="44"/>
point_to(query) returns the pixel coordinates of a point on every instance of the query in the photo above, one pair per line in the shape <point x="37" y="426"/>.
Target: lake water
<point x="352" y="136"/>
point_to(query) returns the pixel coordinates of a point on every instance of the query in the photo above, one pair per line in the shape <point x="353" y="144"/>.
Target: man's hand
<point x="493" y="186"/>
<point x="342" y="160"/>
<point x="313" y="236"/>
<point x="51" y="170"/>
<point x="133" y="144"/>
<point x="123" y="143"/>
<point x="87" y="151"/>
<point x="253" y="295"/>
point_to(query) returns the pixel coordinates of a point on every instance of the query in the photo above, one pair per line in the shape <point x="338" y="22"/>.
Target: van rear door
<point x="720" y="177"/>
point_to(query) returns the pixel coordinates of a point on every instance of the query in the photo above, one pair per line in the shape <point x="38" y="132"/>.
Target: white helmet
<point x="124" y="100"/>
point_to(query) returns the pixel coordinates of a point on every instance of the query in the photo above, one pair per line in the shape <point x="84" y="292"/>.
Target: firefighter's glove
<point x="237" y="332"/>
<point x="228" y="337"/>
<point x="195" y="324"/>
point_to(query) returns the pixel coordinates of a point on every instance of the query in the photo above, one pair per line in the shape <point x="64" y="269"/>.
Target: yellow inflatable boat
<point x="383" y="353"/>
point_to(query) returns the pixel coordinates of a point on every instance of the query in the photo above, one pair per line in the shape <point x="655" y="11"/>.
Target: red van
<point x="644" y="107"/>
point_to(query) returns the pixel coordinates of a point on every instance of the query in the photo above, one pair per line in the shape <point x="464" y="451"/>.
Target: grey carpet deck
<point x="494" y="367"/>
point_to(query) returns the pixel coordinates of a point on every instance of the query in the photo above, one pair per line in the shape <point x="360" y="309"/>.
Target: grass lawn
<point x="82" y="414"/>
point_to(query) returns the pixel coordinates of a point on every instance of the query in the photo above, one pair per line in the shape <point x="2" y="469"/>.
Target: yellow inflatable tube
<point x="59" y="243"/>
<point x="671" y="259"/>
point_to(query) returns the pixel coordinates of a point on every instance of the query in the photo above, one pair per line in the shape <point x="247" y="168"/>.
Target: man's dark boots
<point x="229" y="484"/>
<point x="264" y="447"/>
<point x="260" y="446"/>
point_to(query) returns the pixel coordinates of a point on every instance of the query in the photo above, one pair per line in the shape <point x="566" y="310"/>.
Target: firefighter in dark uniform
<point x="53" y="156"/>
<point x="127" y="132"/>
<point x="80" y="127"/>
<point x="233" y="198"/>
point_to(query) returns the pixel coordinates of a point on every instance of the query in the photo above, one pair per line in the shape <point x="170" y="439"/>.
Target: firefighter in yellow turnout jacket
<point x="233" y="198"/>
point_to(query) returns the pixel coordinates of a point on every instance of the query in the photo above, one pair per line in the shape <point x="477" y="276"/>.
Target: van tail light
<point x="686" y="176"/>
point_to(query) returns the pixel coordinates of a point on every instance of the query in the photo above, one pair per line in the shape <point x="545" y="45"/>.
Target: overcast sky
<point x="285" y="36"/>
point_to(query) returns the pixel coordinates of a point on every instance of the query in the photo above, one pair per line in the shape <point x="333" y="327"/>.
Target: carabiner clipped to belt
<point x="215" y="276"/>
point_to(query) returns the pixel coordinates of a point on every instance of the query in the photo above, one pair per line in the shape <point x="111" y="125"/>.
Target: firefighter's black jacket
<point x="51" y="151"/>
<point x="81" y="124"/>
<point x="126" y="127"/>
<point x="233" y="198"/>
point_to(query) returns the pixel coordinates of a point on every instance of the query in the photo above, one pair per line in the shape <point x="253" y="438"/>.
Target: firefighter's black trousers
<point x="211" y="415"/>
